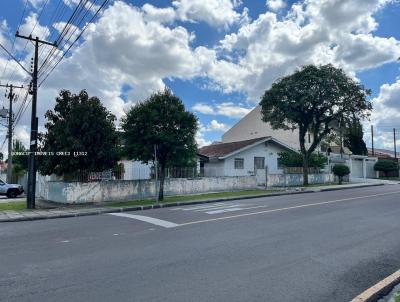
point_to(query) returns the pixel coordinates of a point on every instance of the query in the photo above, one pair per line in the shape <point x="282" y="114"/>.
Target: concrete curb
<point x="94" y="211"/>
<point x="347" y="188"/>
<point x="380" y="289"/>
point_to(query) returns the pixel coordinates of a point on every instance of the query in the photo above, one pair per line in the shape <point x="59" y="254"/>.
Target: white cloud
<point x="213" y="12"/>
<point x="123" y="48"/>
<point x="228" y="109"/>
<point x="203" y="108"/>
<point x="162" y="15"/>
<point x="276" y="5"/>
<point x="385" y="116"/>
<point x="36" y="3"/>
<point x="89" y="5"/>
<point x="214" y="126"/>
<point x="314" y="32"/>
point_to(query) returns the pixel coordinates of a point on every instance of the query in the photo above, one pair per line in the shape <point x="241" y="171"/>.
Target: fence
<point x="128" y="173"/>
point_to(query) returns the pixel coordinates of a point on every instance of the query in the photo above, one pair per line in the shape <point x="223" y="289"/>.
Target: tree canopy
<point x="79" y="123"/>
<point x="313" y="100"/>
<point x="294" y="159"/>
<point x="353" y="138"/>
<point x="161" y="122"/>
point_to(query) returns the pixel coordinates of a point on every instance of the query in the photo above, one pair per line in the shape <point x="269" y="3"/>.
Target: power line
<point x="77" y="38"/>
<point x="13" y="44"/>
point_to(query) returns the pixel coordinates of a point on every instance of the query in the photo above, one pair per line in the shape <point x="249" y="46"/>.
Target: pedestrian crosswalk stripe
<point x="155" y="221"/>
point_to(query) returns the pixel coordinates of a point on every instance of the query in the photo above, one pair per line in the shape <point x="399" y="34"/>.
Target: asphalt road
<point x="327" y="246"/>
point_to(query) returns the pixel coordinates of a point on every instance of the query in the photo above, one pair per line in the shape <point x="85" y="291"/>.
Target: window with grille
<point x="259" y="163"/>
<point x="239" y="163"/>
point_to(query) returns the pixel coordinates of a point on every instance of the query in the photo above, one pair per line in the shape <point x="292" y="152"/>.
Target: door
<point x="259" y="170"/>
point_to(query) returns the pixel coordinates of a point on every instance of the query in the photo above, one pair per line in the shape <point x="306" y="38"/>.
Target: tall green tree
<point x="78" y="123"/>
<point x="314" y="99"/>
<point x="353" y="138"/>
<point x="162" y="123"/>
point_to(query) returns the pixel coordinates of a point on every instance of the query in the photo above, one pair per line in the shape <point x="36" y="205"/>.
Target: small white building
<point x="241" y="158"/>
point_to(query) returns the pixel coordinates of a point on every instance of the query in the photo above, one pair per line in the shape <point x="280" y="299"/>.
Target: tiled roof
<point x="222" y="149"/>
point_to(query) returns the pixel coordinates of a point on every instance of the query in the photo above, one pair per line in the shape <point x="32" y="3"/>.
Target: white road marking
<point x="223" y="211"/>
<point x="235" y="209"/>
<point x="218" y="208"/>
<point x="65" y="241"/>
<point x="287" y="208"/>
<point x="155" y="221"/>
<point x="206" y="206"/>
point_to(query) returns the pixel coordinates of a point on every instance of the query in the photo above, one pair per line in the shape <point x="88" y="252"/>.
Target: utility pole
<point x="34" y="121"/>
<point x="372" y="138"/>
<point x="10" y="96"/>
<point x="156" y="171"/>
<point x="394" y="143"/>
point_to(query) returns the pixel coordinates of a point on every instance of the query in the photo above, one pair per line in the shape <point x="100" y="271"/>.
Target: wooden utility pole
<point x="34" y="121"/>
<point x="10" y="96"/>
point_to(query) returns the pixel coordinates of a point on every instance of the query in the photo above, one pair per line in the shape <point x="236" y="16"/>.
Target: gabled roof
<point x="224" y="150"/>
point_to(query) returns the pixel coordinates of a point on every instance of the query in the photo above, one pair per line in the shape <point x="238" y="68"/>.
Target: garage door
<point x="357" y="168"/>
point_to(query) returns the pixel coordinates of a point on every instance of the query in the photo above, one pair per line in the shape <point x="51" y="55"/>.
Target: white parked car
<point x="10" y="190"/>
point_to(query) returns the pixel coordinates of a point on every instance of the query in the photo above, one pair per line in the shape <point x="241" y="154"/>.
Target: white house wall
<point x="226" y="167"/>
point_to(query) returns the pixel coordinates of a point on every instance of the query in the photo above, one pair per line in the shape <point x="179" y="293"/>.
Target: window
<point x="239" y="163"/>
<point x="259" y="163"/>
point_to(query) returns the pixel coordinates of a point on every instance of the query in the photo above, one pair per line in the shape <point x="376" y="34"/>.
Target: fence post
<point x="266" y="177"/>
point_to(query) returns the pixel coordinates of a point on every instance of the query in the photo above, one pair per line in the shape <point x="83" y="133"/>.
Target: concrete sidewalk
<point x="64" y="212"/>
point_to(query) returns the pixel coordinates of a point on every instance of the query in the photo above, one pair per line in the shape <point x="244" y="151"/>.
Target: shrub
<point x="386" y="166"/>
<point x="340" y="171"/>
<point x="291" y="159"/>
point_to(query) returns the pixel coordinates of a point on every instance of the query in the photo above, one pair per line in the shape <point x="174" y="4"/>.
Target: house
<point x="241" y="158"/>
<point x="252" y="126"/>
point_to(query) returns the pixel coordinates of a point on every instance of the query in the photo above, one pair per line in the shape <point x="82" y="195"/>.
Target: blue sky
<point x="217" y="55"/>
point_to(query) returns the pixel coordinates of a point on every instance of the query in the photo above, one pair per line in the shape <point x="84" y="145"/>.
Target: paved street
<point x="326" y="246"/>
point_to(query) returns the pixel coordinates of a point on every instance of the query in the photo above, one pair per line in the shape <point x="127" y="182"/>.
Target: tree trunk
<point x="305" y="169"/>
<point x="340" y="180"/>
<point x="162" y="178"/>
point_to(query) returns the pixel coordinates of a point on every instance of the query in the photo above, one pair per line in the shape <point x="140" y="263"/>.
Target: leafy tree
<point x="161" y="121"/>
<point x="20" y="161"/>
<point x="294" y="159"/>
<point x="313" y="100"/>
<point x="386" y="166"/>
<point x="340" y="171"/>
<point x="353" y="138"/>
<point x="79" y="123"/>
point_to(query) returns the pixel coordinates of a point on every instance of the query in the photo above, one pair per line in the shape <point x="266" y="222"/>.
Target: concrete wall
<point x="94" y="192"/>
<point x="288" y="180"/>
